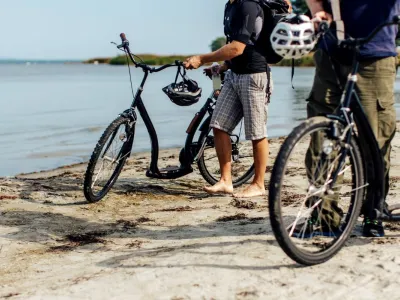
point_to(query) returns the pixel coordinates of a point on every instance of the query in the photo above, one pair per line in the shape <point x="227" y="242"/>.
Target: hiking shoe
<point x="373" y="228"/>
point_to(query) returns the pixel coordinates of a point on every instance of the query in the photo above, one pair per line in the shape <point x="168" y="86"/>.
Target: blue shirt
<point x="361" y="17"/>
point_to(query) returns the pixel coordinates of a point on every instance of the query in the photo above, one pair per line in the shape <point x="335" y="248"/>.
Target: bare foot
<point x="219" y="188"/>
<point x="253" y="190"/>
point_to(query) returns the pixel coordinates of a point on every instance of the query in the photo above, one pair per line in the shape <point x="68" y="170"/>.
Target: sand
<point x="153" y="239"/>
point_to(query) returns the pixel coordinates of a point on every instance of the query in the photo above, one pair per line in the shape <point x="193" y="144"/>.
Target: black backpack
<point x="274" y="11"/>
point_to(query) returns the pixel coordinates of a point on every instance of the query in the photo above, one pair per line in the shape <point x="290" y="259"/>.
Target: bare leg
<point x="257" y="187"/>
<point x="223" y="147"/>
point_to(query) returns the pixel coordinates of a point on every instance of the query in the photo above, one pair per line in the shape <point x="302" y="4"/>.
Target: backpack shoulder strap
<point x="259" y="2"/>
<point x="226" y="8"/>
<point x="335" y="4"/>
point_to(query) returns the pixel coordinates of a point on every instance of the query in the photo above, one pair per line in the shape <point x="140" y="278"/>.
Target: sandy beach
<point x="153" y="239"/>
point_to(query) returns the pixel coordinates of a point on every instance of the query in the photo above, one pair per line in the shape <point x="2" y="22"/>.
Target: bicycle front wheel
<point x="310" y="217"/>
<point x="242" y="159"/>
<point x="108" y="158"/>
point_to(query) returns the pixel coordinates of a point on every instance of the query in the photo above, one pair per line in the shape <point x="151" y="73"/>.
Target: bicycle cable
<point x="138" y="57"/>
<point x="130" y="76"/>
<point x="332" y="63"/>
<point x="134" y="55"/>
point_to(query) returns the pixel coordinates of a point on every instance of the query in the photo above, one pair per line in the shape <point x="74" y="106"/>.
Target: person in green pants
<point x="375" y="85"/>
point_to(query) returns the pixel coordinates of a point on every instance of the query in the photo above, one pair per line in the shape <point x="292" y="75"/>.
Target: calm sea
<point x="53" y="114"/>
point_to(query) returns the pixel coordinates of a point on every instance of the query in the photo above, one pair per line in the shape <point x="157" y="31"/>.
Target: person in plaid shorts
<point x="243" y="94"/>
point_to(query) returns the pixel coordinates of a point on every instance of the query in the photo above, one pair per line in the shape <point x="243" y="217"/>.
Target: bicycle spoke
<point x="209" y="158"/>
<point x="299" y="216"/>
<point x="95" y="180"/>
<point x="316" y="192"/>
<point x="111" y="156"/>
<point x="241" y="160"/>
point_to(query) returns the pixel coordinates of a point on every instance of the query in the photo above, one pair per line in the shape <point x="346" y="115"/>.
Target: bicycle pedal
<point x="172" y="172"/>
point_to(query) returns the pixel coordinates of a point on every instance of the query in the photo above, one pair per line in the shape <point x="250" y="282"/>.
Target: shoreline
<point x="168" y="239"/>
<point x="80" y="165"/>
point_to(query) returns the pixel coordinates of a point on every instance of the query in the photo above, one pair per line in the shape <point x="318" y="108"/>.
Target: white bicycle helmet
<point x="293" y="37"/>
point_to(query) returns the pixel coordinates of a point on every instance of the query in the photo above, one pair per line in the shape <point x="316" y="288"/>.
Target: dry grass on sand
<point x="152" y="239"/>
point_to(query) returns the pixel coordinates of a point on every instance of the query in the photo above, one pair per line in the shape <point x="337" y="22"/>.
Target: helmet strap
<point x="179" y="72"/>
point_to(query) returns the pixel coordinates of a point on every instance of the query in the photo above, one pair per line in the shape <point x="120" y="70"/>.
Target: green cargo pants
<point x="375" y="86"/>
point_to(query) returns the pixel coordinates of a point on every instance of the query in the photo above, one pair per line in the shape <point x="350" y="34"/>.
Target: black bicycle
<point x="115" y="145"/>
<point x="315" y="202"/>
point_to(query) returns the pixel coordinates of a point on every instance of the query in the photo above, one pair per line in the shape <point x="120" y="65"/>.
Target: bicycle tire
<point x="277" y="175"/>
<point x="205" y="173"/>
<point x="126" y="148"/>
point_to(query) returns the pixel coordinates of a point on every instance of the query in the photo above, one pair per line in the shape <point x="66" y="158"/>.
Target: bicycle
<point x="342" y="156"/>
<point x="109" y="158"/>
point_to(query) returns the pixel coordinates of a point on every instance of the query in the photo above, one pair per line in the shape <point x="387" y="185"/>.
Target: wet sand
<point x="153" y="239"/>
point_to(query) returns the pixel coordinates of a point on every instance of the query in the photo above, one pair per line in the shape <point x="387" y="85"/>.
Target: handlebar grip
<point x="396" y="19"/>
<point x="323" y="26"/>
<point x="123" y="37"/>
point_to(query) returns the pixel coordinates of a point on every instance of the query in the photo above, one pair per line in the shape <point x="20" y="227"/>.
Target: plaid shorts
<point x="243" y="95"/>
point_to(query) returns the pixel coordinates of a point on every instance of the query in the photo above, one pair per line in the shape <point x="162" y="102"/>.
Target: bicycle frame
<point x="190" y="155"/>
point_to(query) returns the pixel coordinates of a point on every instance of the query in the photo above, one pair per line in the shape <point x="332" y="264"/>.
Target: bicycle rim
<point x="108" y="159"/>
<point x="241" y="159"/>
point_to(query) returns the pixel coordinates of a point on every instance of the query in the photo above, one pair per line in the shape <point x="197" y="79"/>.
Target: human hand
<point x="193" y="62"/>
<point x="208" y="72"/>
<point x="290" y="6"/>
<point x="321" y="16"/>
<point x="223" y="68"/>
<point x="215" y="69"/>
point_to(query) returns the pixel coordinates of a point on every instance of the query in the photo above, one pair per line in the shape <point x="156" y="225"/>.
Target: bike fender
<point x="130" y="114"/>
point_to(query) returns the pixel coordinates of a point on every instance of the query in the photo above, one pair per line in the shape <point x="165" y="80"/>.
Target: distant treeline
<point x="157" y="60"/>
<point x="149" y="59"/>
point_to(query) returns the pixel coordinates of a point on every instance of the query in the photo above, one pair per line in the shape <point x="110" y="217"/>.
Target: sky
<point x="82" y="29"/>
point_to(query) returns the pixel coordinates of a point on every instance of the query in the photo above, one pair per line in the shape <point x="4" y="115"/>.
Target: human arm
<point x="227" y="52"/>
<point x="240" y="35"/>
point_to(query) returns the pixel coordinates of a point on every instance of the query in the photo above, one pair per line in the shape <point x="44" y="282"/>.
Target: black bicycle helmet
<point x="185" y="93"/>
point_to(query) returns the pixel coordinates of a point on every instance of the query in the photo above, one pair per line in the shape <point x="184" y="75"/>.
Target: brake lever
<point x="120" y="47"/>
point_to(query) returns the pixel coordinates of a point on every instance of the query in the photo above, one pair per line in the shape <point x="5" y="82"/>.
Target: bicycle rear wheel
<point x="242" y="159"/>
<point x="108" y="158"/>
<point x="310" y="221"/>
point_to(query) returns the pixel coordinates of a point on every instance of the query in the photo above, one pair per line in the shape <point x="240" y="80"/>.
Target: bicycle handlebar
<point x="354" y="43"/>
<point x="145" y="67"/>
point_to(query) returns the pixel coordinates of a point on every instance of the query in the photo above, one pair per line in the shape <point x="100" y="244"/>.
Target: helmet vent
<point x="282" y="42"/>
<point x="293" y="37"/>
<point x="282" y="32"/>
